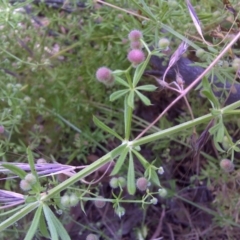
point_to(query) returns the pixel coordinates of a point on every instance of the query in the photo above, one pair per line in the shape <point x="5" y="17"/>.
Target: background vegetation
<point x="49" y="95"/>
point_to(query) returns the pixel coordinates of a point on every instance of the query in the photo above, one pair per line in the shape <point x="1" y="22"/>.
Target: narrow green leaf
<point x="220" y="133"/>
<point x="143" y="161"/>
<point x="149" y="88"/>
<point x="31" y="161"/>
<point x="52" y="228"/>
<point x="154" y="177"/>
<point x="216" y="144"/>
<point x="19" y="215"/>
<point x="82" y="207"/>
<point x="35" y="223"/>
<point x="207" y="91"/>
<point x="61" y="231"/>
<point x="210" y="98"/>
<point x="117" y="151"/>
<point x="12" y="211"/>
<point x="119" y="162"/>
<point x="128" y="111"/>
<point x="118" y="94"/>
<point x="121" y="81"/>
<point x="16" y="170"/>
<point x="32" y="166"/>
<point x="101" y="125"/>
<point x="145" y="9"/>
<point x="43" y="227"/>
<point x="130" y="99"/>
<point x="144" y="99"/>
<point x="139" y="71"/>
<point x="214" y="129"/>
<point x="131" y="185"/>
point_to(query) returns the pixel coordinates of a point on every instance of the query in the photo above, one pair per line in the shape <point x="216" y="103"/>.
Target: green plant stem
<point x="116" y="152"/>
<point x="85" y="172"/>
<point x="127" y="118"/>
<point x="113" y="200"/>
<point x="20" y="214"/>
<point x="168" y="132"/>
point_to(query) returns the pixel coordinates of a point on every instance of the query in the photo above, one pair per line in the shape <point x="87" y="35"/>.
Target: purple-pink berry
<point x="2" y="129"/>
<point x="136" y="56"/>
<point x="104" y="75"/>
<point x="227" y="165"/>
<point x="99" y="203"/>
<point x="136" y="45"/>
<point x="135" y="35"/>
<point x="142" y="183"/>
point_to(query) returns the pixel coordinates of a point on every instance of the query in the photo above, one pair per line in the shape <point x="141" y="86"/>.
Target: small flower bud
<point x="161" y="171"/>
<point x="120" y="211"/>
<point x="65" y="200"/>
<point x="136" y="56"/>
<point x="30" y="178"/>
<point x="227" y="165"/>
<point x="27" y="99"/>
<point x="92" y="237"/>
<point x="73" y="200"/>
<point x="142" y="183"/>
<point x="200" y="52"/>
<point x="41" y="161"/>
<point x="113" y="182"/>
<point x="104" y="75"/>
<point x="25" y="185"/>
<point x="135" y="35"/>
<point x="163" y="43"/>
<point x="122" y="182"/>
<point x="154" y="201"/>
<point x="162" y="192"/>
<point x="59" y="212"/>
<point x="99" y="203"/>
<point x="236" y="64"/>
<point x="9" y="86"/>
<point x="18" y="85"/>
<point x="42" y="100"/>
<point x="216" y="14"/>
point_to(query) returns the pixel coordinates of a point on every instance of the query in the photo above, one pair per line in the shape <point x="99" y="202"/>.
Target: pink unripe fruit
<point x="2" y="129"/>
<point x="104" y="75"/>
<point x="227" y="165"/>
<point x="134" y="35"/>
<point x="142" y="183"/>
<point x="92" y="237"/>
<point x="136" y="56"/>
<point x="136" y="45"/>
<point x="99" y="203"/>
